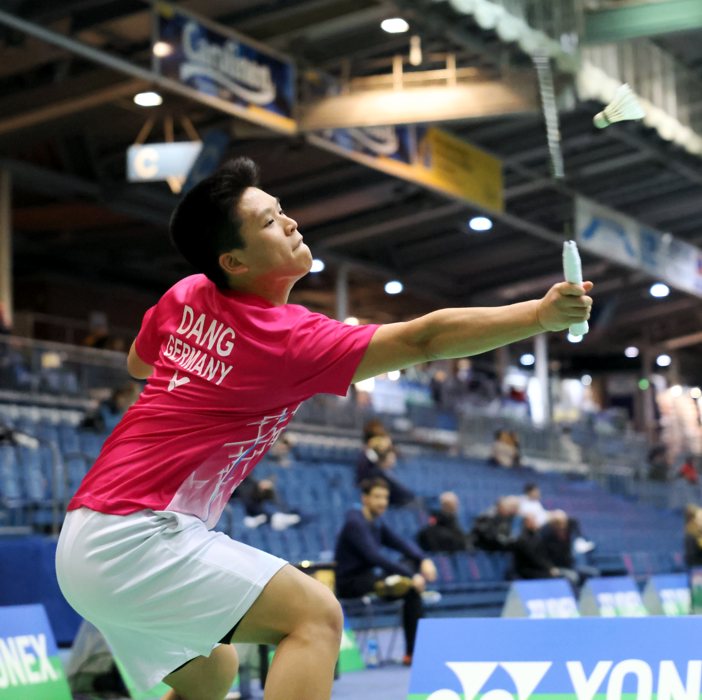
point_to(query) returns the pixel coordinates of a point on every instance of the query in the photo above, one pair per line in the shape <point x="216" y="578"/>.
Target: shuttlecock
<point x="624" y="106"/>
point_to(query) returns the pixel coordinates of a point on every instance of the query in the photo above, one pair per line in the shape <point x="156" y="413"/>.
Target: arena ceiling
<point x="66" y="122"/>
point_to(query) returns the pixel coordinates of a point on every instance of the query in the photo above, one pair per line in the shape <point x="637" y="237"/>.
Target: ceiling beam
<point x="69" y="106"/>
<point x="635" y="20"/>
<point x="469" y="100"/>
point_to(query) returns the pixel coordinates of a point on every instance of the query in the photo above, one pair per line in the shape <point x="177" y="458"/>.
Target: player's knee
<point x="326" y="619"/>
<point x="332" y="616"/>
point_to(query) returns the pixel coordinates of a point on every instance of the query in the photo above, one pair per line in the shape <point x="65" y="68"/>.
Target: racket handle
<point x="573" y="273"/>
<point x="572" y="268"/>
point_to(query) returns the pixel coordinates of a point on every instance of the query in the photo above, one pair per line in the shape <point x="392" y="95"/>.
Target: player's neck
<point x="276" y="291"/>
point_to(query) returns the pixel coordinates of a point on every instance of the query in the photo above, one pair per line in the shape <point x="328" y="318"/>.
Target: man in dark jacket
<point x="531" y="558"/>
<point x="444" y="533"/>
<point x="359" y="555"/>
<point x="492" y="529"/>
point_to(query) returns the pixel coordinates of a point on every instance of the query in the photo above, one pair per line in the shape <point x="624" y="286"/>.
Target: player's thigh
<point x="206" y="677"/>
<point x="290" y="602"/>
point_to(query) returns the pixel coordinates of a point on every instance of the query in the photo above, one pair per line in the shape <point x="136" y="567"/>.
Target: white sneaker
<point x="582" y="546"/>
<point x="431" y="597"/>
<point x="253" y="521"/>
<point x="281" y="521"/>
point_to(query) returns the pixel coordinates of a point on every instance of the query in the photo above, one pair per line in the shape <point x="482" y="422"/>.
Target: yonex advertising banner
<point x="667" y="594"/>
<point x="655" y="658"/>
<point x="614" y="596"/>
<point x="213" y="60"/>
<point x="538" y="599"/>
<point x="30" y="667"/>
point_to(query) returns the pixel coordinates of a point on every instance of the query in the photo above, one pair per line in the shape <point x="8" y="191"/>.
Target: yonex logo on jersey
<point x="177" y="381"/>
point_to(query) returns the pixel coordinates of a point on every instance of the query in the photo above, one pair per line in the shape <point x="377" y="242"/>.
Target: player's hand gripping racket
<point x="573" y="273"/>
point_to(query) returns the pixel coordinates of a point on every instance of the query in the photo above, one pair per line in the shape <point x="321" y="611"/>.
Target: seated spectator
<point x="281" y="450"/>
<point x="444" y="532"/>
<point x="693" y="536"/>
<point x="658" y="462"/>
<point x="505" y="450"/>
<point x="376" y="462"/>
<point x="562" y="539"/>
<point x="359" y="559"/>
<point x="492" y="529"/>
<point x="262" y="505"/>
<point x="530" y="504"/>
<point x="373" y="428"/>
<point x="531" y="558"/>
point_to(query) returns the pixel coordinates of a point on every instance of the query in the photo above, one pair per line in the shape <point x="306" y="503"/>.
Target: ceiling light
<point x="480" y="223"/>
<point x="631" y="351"/>
<point x="659" y="290"/>
<point x="351" y="321"/>
<point x="393" y="287"/>
<point x="574" y="338"/>
<point x="394" y="25"/>
<point x="586" y="379"/>
<point x="696" y="392"/>
<point x="394" y="375"/>
<point x="162" y="49"/>
<point x="644" y="384"/>
<point x="676" y="390"/>
<point x="663" y="360"/>
<point x="527" y="359"/>
<point x="317" y="265"/>
<point x="148" y="99"/>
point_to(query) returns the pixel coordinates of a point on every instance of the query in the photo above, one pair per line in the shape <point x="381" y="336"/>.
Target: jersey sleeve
<point x="323" y="354"/>
<point x="147" y="342"/>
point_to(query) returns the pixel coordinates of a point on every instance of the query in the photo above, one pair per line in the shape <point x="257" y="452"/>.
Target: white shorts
<point x="160" y="587"/>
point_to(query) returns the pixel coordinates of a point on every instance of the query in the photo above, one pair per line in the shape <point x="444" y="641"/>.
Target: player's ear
<point x="231" y="264"/>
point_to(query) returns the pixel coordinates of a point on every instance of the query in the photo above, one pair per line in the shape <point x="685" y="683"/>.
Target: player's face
<point x="273" y="245"/>
<point x="376" y="501"/>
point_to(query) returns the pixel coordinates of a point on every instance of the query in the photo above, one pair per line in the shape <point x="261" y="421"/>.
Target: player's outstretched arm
<point x="450" y="333"/>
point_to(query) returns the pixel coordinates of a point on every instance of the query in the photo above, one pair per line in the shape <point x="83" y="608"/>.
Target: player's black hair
<point x="205" y="223"/>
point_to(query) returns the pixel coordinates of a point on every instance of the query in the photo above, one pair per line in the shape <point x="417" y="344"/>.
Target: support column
<point x="342" y="292"/>
<point x="541" y="373"/>
<point x="648" y="356"/>
<point x="6" y="246"/>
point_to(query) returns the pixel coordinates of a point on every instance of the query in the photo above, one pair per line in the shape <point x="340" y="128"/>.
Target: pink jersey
<point x="230" y="370"/>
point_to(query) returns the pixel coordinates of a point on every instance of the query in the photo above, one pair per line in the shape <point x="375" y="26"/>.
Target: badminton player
<point x="228" y="362"/>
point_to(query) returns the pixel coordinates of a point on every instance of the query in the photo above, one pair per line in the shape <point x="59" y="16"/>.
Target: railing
<point x="35" y="368"/>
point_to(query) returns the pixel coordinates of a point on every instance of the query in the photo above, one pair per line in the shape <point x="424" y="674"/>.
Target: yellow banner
<point x="426" y="155"/>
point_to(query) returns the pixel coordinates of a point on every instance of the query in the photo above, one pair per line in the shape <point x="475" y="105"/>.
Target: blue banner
<point x="667" y="594"/>
<point x="30" y="666"/>
<point x="215" y="61"/>
<point x="614" y="596"/>
<point x="583" y="659"/>
<point x="539" y="599"/>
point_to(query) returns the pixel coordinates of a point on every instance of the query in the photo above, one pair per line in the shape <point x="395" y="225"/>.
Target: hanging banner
<point x="213" y="60"/>
<point x="159" y="161"/>
<point x="428" y="156"/>
<point x="579" y="659"/>
<point x="620" y="238"/>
